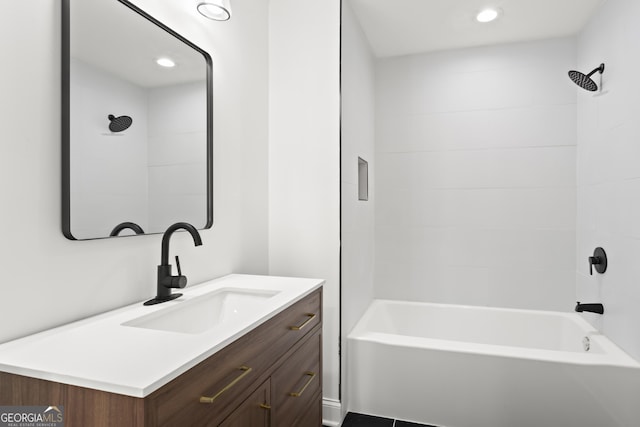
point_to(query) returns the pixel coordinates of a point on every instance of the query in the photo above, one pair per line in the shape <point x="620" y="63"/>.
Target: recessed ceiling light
<point x="166" y="62"/>
<point x="487" y="15"/>
<point x="218" y="10"/>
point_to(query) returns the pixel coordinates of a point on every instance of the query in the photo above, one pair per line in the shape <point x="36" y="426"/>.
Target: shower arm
<point x="600" y="68"/>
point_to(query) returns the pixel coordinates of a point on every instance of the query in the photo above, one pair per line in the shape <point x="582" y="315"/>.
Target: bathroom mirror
<point x="136" y="123"/>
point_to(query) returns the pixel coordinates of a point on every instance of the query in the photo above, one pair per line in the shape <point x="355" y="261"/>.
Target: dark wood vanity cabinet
<point x="271" y="376"/>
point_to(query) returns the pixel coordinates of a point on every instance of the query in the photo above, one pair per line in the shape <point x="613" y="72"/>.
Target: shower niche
<point x="363" y="179"/>
<point x="136" y="123"/>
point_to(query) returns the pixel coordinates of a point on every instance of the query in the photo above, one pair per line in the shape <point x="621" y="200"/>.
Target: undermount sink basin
<point x="202" y="313"/>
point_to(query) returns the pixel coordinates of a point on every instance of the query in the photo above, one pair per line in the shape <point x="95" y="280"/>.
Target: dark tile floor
<point x="361" y="420"/>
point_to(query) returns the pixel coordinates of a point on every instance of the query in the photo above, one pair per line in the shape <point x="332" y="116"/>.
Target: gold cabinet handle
<point x="265" y="406"/>
<point x="306" y="322"/>
<point x="312" y="375"/>
<point x="245" y="369"/>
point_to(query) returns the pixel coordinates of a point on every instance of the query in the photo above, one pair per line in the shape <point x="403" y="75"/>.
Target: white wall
<point x="357" y="140"/>
<point x="475" y="176"/>
<point x="49" y="280"/>
<point x="304" y="155"/>
<point x="609" y="171"/>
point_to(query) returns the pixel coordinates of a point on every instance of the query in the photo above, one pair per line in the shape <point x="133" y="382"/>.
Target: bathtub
<point x="464" y="366"/>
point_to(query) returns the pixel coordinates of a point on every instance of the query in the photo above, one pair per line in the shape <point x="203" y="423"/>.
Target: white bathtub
<point x="463" y="366"/>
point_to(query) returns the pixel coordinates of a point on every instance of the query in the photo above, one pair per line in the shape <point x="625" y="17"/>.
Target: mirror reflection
<point x="136" y="123"/>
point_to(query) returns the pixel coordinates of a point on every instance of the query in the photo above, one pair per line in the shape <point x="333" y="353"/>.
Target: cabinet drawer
<point x="312" y="416"/>
<point x="297" y="382"/>
<point x="304" y="316"/>
<point x="224" y="378"/>
<point x="254" y="411"/>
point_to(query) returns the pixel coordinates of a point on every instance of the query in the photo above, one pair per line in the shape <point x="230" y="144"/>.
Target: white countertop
<point x="100" y="353"/>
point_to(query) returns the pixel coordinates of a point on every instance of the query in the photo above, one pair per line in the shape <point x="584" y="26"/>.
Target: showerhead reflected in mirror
<point x="152" y="165"/>
<point x="119" y="124"/>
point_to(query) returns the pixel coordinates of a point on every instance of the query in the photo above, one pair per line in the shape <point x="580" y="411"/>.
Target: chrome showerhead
<point x="118" y="124"/>
<point x="585" y="81"/>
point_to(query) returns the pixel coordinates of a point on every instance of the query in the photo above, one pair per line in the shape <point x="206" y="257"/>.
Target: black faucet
<point x="165" y="280"/>
<point x="123" y="225"/>
<point x="592" y="308"/>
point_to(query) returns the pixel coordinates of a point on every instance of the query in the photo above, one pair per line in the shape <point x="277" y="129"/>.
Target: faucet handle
<point x="178" y="266"/>
<point x="178" y="281"/>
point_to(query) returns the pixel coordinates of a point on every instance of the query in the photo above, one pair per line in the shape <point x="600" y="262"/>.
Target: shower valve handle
<point x="593" y="260"/>
<point x="599" y="259"/>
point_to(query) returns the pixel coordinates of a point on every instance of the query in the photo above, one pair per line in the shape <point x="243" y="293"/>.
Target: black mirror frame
<point x="66" y="116"/>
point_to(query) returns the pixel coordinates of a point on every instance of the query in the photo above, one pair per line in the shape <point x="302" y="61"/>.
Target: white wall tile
<point x="357" y="216"/>
<point x="545" y="208"/>
<point x="393" y="88"/>
<point x="177" y="148"/>
<point x="532" y="287"/>
<point x="433" y="283"/>
<point x="608" y="168"/>
<point x="630" y="150"/>
<point x="619" y="323"/>
<point x="491" y="168"/>
<point x="551" y="249"/>
<point x="504" y="76"/>
<point x="393" y="206"/>
<point x="178" y="109"/>
<point x="476" y="176"/>
<point x="477" y="129"/>
<point x="357" y="275"/>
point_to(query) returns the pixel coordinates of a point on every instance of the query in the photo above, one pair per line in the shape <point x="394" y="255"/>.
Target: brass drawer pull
<point x="312" y="375"/>
<point x="265" y="406"/>
<point x="306" y="322"/>
<point x="246" y="369"/>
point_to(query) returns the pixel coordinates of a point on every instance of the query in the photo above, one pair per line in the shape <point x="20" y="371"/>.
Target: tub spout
<point x="592" y="308"/>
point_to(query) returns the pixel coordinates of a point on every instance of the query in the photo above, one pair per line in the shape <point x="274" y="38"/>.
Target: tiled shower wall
<point x="608" y="159"/>
<point x="357" y="216"/>
<point x="358" y="139"/>
<point x="476" y="176"/>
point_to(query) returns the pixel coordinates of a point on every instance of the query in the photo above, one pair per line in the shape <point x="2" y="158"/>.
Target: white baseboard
<point x="331" y="413"/>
